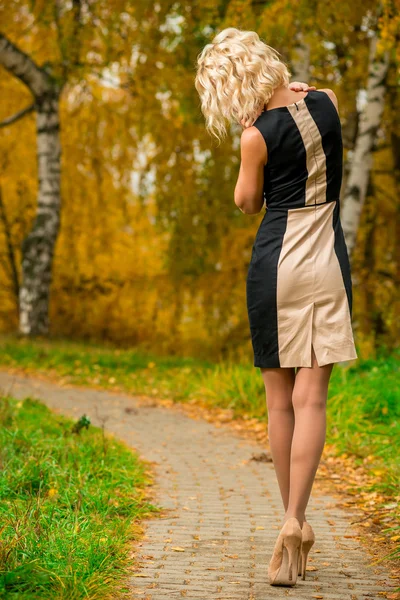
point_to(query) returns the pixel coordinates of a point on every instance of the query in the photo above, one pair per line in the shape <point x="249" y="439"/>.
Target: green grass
<point x="69" y="503"/>
<point x="364" y="413"/>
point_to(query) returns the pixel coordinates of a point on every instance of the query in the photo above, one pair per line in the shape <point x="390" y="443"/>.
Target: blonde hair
<point x="236" y="75"/>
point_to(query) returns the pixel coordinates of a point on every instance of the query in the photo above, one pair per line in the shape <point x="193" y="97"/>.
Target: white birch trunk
<point x="38" y="246"/>
<point x="300" y="64"/>
<point x="361" y="162"/>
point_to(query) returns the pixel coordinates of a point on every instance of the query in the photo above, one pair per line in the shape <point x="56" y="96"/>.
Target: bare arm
<point x="249" y="187"/>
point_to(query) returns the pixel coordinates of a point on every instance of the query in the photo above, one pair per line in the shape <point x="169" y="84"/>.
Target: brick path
<point x="222" y="508"/>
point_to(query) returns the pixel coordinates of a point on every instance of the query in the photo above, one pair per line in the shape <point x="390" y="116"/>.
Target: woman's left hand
<point x="300" y="86"/>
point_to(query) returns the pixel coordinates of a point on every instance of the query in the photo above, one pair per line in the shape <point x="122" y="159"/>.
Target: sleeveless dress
<point x="298" y="286"/>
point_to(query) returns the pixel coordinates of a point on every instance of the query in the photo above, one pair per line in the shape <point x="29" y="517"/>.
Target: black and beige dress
<point x="299" y="289"/>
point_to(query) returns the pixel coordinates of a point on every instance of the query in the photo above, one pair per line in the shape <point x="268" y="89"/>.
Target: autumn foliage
<point x="152" y="249"/>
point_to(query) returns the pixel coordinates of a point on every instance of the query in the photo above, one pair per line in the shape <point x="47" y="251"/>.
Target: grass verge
<point x="70" y="506"/>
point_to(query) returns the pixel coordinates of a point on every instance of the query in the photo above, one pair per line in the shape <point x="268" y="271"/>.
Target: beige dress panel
<point x="316" y="160"/>
<point x="311" y="296"/>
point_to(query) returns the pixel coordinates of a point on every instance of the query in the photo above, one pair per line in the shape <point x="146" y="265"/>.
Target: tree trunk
<point x="300" y="64"/>
<point x="361" y="163"/>
<point x="38" y="246"/>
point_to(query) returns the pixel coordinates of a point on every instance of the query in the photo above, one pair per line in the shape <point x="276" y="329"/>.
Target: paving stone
<point x="209" y="487"/>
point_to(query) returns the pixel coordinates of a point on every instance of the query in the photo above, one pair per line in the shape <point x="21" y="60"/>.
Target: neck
<point x="279" y="94"/>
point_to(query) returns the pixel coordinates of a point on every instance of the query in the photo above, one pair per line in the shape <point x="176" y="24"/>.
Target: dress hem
<point x="262" y="363"/>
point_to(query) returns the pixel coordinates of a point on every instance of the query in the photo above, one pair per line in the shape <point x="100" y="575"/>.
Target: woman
<point x="299" y="289"/>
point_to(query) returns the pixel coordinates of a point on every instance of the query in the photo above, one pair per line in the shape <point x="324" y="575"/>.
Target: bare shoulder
<point x="251" y="136"/>
<point x="332" y="96"/>
<point x="252" y="142"/>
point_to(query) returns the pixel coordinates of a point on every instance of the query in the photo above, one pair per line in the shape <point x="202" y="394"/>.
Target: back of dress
<point x="299" y="290"/>
<point x="304" y="142"/>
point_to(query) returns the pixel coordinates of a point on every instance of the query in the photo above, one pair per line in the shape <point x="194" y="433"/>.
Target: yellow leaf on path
<point x="140" y="575"/>
<point x="178" y="549"/>
<point x="260" y="527"/>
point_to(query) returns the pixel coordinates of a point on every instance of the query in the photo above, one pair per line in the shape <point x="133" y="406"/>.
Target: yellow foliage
<point x="152" y="249"/>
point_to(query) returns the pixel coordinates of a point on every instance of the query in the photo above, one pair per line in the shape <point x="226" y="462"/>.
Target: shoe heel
<point x="292" y="545"/>
<point x="308" y="539"/>
<point x="303" y="561"/>
<point x="299" y="567"/>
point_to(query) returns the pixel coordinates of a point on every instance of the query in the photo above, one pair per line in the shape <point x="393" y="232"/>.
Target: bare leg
<point x="279" y="384"/>
<point x="309" y="403"/>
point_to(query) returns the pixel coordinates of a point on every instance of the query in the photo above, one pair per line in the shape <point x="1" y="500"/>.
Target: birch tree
<point x="38" y="246"/>
<point x="301" y="59"/>
<point x="361" y="162"/>
<point x="83" y="39"/>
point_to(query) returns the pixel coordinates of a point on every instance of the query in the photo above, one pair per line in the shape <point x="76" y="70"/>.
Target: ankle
<point x="300" y="517"/>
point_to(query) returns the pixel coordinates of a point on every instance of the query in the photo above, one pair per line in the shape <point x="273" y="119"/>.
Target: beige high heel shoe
<point x="283" y="566"/>
<point x="308" y="539"/>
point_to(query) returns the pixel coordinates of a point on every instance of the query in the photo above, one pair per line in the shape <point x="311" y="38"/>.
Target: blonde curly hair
<point x="236" y="75"/>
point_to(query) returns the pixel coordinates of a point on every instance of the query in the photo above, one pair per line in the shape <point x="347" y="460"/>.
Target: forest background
<point x="150" y="249"/>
